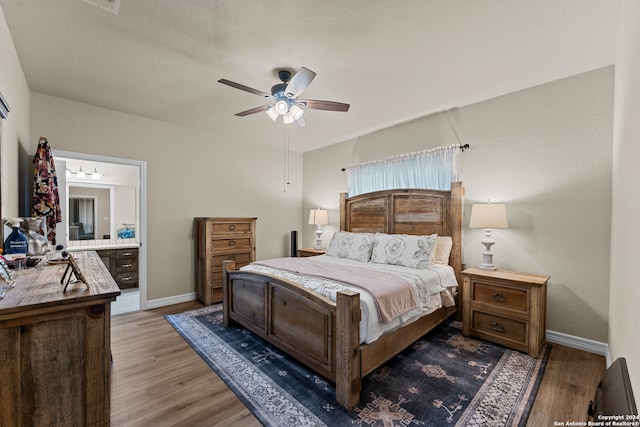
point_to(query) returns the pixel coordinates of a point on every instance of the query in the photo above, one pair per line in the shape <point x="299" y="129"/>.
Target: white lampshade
<point x="318" y="217"/>
<point x="80" y="173"/>
<point x="488" y="215"/>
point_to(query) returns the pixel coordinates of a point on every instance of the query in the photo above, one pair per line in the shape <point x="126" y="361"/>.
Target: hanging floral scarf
<point x="46" y="201"/>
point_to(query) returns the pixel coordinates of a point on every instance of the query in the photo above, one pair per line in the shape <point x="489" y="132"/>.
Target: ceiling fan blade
<point x="244" y="88"/>
<point x="253" y="110"/>
<point x="316" y="104"/>
<point x="299" y="82"/>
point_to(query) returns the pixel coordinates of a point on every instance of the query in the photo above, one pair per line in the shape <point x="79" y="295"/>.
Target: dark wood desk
<point x="55" y="347"/>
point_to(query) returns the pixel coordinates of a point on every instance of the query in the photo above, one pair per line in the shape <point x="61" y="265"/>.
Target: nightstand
<point x="310" y="252"/>
<point x="505" y="307"/>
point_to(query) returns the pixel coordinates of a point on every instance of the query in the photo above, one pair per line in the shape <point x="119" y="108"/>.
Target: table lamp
<point x="318" y="217"/>
<point x="488" y="216"/>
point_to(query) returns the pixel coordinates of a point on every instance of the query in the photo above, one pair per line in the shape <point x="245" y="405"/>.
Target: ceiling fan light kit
<point x="285" y="97"/>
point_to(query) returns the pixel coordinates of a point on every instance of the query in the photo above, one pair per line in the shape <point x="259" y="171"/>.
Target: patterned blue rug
<point x="442" y="379"/>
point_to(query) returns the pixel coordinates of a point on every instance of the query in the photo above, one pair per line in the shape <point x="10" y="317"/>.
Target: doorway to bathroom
<point x="103" y="207"/>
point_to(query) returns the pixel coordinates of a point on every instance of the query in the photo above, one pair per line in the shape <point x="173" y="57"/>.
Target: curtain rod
<point x="461" y="147"/>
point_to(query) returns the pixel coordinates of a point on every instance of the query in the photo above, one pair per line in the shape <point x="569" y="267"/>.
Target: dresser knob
<point x="232" y="227"/>
<point x="497" y="296"/>
<point x="498" y="327"/>
<point x="232" y="242"/>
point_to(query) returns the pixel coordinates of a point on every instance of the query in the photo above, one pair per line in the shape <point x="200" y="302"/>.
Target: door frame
<point x="142" y="202"/>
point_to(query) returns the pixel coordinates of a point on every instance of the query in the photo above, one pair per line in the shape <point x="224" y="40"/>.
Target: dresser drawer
<point x="240" y="259"/>
<point x="216" y="293"/>
<point x="231" y="227"/>
<point x="126" y="264"/>
<point x="128" y="279"/>
<point x="231" y="244"/>
<point x="501" y="327"/>
<point x="126" y="253"/>
<point x="500" y="296"/>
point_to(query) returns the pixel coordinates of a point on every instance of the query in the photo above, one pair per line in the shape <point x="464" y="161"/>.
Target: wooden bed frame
<point x="323" y="334"/>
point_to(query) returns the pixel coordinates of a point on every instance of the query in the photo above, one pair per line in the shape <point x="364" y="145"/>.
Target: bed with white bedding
<point x="435" y="287"/>
<point x="335" y="328"/>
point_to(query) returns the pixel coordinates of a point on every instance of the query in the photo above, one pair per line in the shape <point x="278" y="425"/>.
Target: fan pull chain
<point x="286" y="160"/>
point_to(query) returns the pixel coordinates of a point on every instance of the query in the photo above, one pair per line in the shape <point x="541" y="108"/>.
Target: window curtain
<point x="433" y="169"/>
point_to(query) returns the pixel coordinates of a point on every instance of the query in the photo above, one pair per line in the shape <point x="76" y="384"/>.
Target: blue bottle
<point x="16" y="243"/>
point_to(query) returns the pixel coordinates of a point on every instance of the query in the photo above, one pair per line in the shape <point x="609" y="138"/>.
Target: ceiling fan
<point x="285" y="98"/>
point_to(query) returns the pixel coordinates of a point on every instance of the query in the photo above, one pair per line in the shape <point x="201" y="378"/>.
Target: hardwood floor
<point x="159" y="380"/>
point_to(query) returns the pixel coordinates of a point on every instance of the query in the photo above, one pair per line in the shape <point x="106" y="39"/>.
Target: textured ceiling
<point x="393" y="61"/>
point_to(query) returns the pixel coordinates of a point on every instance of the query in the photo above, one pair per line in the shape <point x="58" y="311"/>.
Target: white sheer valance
<point x="433" y="169"/>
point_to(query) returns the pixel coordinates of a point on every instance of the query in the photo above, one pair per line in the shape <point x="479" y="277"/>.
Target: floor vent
<point x="108" y="5"/>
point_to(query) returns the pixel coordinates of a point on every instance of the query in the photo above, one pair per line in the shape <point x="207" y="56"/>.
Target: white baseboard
<point x="584" y="344"/>
<point x="163" y="302"/>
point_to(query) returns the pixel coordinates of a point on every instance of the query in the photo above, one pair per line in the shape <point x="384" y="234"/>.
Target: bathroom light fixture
<point x="81" y="174"/>
<point x="96" y="175"/>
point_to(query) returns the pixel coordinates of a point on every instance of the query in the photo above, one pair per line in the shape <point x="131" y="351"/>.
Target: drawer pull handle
<point x="126" y="254"/>
<point x="232" y="258"/>
<point x="497" y="296"/>
<point x="232" y="242"/>
<point x="124" y="279"/>
<point x="498" y="327"/>
<point x="232" y="227"/>
<point x="126" y="265"/>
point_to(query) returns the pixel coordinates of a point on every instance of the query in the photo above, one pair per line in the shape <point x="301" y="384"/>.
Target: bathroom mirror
<point x="82" y="218"/>
<point x="90" y="212"/>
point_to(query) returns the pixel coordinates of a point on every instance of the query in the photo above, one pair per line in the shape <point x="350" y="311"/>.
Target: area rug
<point x="442" y="379"/>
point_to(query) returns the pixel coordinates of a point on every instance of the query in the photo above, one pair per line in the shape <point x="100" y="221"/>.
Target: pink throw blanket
<point x="392" y="294"/>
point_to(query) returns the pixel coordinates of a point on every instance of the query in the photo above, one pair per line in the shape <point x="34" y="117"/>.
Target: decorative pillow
<point x="403" y="249"/>
<point x="355" y="246"/>
<point x="443" y="250"/>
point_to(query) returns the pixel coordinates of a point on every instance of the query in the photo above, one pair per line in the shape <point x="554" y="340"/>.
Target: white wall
<point x="624" y="328"/>
<point x="15" y="130"/>
<point x="190" y="173"/>
<point x="546" y="153"/>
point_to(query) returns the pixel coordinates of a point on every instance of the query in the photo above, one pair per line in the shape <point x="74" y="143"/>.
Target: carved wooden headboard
<point x="420" y="212"/>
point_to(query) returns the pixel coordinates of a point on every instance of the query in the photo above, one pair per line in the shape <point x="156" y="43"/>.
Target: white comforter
<point x="435" y="288"/>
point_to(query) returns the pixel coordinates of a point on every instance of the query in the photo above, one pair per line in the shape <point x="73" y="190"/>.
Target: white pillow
<point x="403" y="249"/>
<point x="356" y="246"/>
<point x="443" y="250"/>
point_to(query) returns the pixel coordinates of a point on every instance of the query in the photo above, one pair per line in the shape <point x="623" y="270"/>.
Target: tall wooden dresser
<point x="217" y="240"/>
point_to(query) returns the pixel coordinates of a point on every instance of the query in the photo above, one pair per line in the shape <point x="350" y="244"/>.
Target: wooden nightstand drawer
<point x="500" y="296"/>
<point x="500" y="327"/>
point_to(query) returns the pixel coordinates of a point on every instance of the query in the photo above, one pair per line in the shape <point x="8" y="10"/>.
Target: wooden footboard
<point x="322" y="334"/>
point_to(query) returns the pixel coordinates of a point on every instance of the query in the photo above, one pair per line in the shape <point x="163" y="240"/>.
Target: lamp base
<point x="487" y="255"/>
<point x="318" y="236"/>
